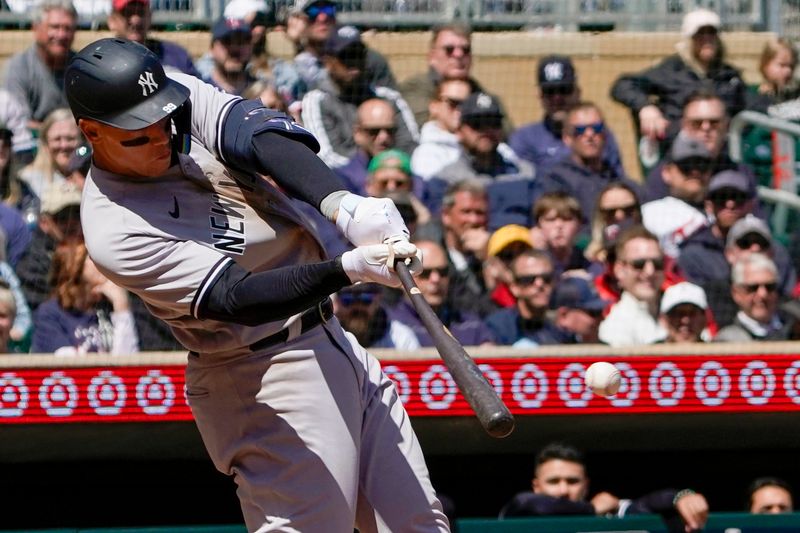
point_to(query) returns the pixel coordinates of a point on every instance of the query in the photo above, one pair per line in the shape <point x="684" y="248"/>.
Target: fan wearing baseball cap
<point x="656" y="96"/>
<point x="541" y="142"/>
<point x="131" y="19"/>
<point x="683" y="313"/>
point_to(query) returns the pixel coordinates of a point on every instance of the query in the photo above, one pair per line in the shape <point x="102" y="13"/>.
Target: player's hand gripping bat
<point x="494" y="416"/>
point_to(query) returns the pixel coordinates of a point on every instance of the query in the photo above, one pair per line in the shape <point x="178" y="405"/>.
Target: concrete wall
<point x="505" y="63"/>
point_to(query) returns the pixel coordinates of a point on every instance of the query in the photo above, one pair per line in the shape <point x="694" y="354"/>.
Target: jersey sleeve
<point x="210" y="106"/>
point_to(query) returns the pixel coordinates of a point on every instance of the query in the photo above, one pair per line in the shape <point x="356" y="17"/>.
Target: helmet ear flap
<point x="182" y="120"/>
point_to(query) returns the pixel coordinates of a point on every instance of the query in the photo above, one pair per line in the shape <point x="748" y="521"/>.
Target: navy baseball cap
<point x="576" y="293"/>
<point x="731" y="179"/>
<point x="344" y="39"/>
<point x="556" y="71"/>
<point x="226" y="27"/>
<point x="481" y="109"/>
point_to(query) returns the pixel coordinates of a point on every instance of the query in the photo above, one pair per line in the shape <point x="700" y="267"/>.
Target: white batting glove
<point x="375" y="263"/>
<point x="370" y="220"/>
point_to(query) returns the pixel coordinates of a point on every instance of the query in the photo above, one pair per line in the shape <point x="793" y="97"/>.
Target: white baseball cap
<point x="699" y="18"/>
<point x="241" y="9"/>
<point x="683" y="293"/>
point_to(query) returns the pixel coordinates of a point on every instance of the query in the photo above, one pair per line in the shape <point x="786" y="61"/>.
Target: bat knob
<point x="500" y="425"/>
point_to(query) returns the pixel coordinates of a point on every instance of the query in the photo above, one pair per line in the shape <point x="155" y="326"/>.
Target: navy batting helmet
<point x="121" y="83"/>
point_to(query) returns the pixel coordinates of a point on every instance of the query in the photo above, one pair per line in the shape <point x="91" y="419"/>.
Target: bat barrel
<point x="490" y="410"/>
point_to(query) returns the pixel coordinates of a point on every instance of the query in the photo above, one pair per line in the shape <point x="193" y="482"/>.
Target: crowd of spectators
<point x="535" y="234"/>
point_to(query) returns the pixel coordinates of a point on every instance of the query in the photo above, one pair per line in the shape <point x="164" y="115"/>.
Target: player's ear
<point x="90" y="129"/>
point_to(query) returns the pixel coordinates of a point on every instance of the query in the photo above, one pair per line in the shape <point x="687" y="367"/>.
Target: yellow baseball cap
<point x="506" y="235"/>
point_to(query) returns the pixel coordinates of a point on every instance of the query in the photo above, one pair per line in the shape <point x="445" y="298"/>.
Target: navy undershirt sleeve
<point x="295" y="167"/>
<point x="251" y="299"/>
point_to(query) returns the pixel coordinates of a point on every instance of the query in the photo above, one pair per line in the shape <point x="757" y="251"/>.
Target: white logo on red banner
<point x="529" y="386"/>
<point x="106" y="394"/>
<point x="58" y="394"/>
<point x="712" y="383"/>
<point x="437" y="388"/>
<point x="155" y="393"/>
<point x="667" y="384"/>
<point x="401" y="381"/>
<point x="14" y="395"/>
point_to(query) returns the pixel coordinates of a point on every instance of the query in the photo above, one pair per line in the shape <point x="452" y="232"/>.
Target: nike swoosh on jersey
<point x="176" y="210"/>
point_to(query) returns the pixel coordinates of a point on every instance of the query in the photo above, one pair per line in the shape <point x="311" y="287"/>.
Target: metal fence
<point x="567" y="15"/>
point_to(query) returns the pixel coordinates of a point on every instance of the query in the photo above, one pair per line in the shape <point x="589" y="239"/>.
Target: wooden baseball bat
<point x="492" y="413"/>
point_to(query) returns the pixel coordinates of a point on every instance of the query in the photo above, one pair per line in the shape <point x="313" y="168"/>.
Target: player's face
<point x="771" y="500"/>
<point x="640" y="269"/>
<point x="55" y="33"/>
<point x="584" y="133"/>
<point x="684" y="323"/>
<point x="434" y="281"/>
<point x="144" y="153"/>
<point x="561" y="479"/>
<point x="469" y="211"/>
<point x="451" y="55"/>
<point x="532" y="282"/>
<point x="62" y="139"/>
<point x="559" y="229"/>
<point x="757" y="294"/>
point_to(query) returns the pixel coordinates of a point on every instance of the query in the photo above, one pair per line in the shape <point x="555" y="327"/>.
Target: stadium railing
<point x="570" y="15"/>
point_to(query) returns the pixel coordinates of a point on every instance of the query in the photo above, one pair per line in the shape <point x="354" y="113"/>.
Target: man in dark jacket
<point x="434" y="283"/>
<point x="730" y="198"/>
<point x="584" y="172"/>
<point x="560" y="487"/>
<point x="541" y="142"/>
<point x="526" y="324"/>
<point x="699" y="62"/>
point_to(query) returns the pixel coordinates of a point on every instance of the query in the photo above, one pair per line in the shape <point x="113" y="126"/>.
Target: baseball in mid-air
<point x="603" y="378"/>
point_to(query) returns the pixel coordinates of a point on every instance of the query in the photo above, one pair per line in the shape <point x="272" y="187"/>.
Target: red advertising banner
<point x="529" y="386"/>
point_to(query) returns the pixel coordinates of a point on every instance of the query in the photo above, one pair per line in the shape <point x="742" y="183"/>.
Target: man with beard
<point x="674" y="218"/>
<point x="231" y="49"/>
<point x="329" y="111"/>
<point x="541" y="142"/>
<point x="359" y="308"/>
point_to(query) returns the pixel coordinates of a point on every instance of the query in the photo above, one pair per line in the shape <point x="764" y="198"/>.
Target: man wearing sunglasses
<point x="657" y="95"/>
<point x="584" y="172"/>
<point x="485" y="154"/>
<point x="680" y="214"/>
<point x="754" y="280"/>
<point x="361" y="311"/>
<point x="330" y="111"/>
<point x="541" y="142"/>
<point x="731" y="197"/>
<point x="438" y="142"/>
<point x="639" y="269"/>
<point x="449" y="57"/>
<point x="309" y="25"/>
<point x="748" y="235"/>
<point x="434" y="283"/>
<point x="527" y="324"/>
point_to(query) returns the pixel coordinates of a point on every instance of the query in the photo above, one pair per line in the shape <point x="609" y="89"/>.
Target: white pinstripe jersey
<point x="167" y="238"/>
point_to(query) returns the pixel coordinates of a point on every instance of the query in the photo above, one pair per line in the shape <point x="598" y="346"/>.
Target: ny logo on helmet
<point x="147" y="83"/>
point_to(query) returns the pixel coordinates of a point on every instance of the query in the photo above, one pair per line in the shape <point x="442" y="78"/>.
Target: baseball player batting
<point x="174" y="209"/>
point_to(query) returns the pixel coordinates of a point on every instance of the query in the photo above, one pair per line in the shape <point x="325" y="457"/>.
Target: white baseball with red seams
<point x="603" y="378"/>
